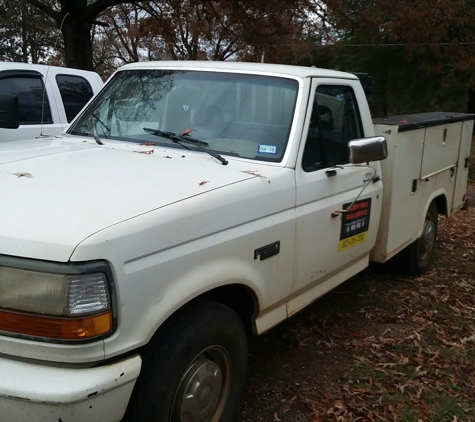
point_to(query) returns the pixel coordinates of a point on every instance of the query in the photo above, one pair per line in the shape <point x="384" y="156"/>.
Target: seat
<point x="208" y="122"/>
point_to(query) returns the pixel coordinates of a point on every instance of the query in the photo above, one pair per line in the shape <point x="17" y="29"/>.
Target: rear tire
<point x="194" y="369"/>
<point x="416" y="258"/>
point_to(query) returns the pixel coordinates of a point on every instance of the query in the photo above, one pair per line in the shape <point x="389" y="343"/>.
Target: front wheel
<point x="194" y="368"/>
<point x="416" y="258"/>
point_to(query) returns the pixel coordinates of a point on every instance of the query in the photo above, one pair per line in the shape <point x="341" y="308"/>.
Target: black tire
<point x="416" y="258"/>
<point x="200" y="353"/>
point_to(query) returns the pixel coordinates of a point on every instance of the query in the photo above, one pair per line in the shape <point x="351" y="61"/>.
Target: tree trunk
<point x="385" y="100"/>
<point x="75" y="19"/>
<point x="76" y="25"/>
<point x="77" y="43"/>
<point x="471" y="101"/>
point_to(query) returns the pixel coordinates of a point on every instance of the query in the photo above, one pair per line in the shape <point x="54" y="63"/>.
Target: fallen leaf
<point x="145" y="152"/>
<point x="466" y="339"/>
<point x="435" y="357"/>
<point x="187" y="132"/>
<point x="148" y="144"/>
<point x="203" y="182"/>
<point x="23" y="174"/>
<point x="167" y="156"/>
<point x="355" y="335"/>
<point x="254" y="173"/>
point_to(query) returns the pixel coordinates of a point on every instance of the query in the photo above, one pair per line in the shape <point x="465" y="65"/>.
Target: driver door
<point x="332" y="246"/>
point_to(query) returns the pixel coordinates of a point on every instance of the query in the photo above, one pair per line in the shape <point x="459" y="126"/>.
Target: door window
<point x="335" y="120"/>
<point x="32" y="98"/>
<point x="75" y="93"/>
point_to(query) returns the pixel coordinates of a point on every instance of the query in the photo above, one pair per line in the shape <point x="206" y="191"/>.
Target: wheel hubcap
<point x="427" y="239"/>
<point x="202" y="393"/>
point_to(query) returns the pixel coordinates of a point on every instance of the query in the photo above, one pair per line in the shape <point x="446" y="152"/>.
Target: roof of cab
<point x="276" y="69"/>
<point x="41" y="68"/>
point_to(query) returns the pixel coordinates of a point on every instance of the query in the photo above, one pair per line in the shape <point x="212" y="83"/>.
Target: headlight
<point x="31" y="291"/>
<point x="54" y="305"/>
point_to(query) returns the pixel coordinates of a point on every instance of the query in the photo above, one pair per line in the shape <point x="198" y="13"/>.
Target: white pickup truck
<point x="39" y="100"/>
<point x="188" y="204"/>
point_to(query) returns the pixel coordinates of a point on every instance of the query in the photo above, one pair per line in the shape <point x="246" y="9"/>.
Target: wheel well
<point x="441" y="203"/>
<point x="240" y="299"/>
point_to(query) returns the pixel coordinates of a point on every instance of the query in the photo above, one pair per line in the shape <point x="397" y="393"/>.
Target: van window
<point x="75" y="93"/>
<point x="30" y="91"/>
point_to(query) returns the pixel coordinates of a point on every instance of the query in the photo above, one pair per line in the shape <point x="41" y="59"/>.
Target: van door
<point x="332" y="246"/>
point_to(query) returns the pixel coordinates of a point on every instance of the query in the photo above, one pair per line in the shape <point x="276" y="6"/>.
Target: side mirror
<point x="368" y="149"/>
<point x="9" y="111"/>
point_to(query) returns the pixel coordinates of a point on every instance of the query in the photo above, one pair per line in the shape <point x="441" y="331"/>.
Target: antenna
<point x="46" y="78"/>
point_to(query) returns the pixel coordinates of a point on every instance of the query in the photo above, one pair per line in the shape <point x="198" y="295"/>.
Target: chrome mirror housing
<point x="368" y="149"/>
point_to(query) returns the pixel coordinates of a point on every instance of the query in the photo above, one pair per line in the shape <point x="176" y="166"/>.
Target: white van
<point x="48" y="98"/>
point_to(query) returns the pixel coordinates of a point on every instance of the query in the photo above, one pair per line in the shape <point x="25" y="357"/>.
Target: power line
<point x="364" y="45"/>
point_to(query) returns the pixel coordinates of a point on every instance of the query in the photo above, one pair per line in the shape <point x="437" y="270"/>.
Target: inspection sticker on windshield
<point x="354" y="224"/>
<point x="267" y="149"/>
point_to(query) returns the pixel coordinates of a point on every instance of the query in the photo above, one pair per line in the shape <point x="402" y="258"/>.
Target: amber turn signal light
<point x="56" y="327"/>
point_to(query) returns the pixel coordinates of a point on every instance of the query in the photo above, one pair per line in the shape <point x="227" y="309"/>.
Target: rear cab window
<point x="75" y="92"/>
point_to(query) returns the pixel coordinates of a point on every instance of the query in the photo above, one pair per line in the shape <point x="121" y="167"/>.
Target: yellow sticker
<point x="352" y="241"/>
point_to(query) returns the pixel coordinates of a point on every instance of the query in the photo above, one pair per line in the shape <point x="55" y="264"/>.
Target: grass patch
<point x="445" y="407"/>
<point x="363" y="374"/>
<point x="403" y="349"/>
<point x="430" y="335"/>
<point x="408" y="415"/>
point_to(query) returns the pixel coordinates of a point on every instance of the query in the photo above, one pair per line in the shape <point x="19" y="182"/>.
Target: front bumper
<point x="38" y="393"/>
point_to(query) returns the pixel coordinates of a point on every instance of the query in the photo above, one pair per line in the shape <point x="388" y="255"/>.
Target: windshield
<point x="241" y="115"/>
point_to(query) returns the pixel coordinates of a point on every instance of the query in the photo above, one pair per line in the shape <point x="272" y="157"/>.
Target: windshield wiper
<point x="101" y="122"/>
<point x="172" y="136"/>
<point x="96" y="136"/>
<point x="181" y="139"/>
<point x="88" y="134"/>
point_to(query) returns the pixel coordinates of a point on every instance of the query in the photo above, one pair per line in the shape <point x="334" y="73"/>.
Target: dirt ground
<point x="381" y="347"/>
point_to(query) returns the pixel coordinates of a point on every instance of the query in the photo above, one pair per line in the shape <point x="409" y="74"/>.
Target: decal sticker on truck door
<point x="354" y="224"/>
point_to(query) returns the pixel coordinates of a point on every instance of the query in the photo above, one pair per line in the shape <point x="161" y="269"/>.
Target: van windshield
<point x="242" y="115"/>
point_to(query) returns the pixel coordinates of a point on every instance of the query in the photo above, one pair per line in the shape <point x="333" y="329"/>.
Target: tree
<point x="213" y="29"/>
<point x="222" y="29"/>
<point x="76" y="19"/>
<point x="192" y="29"/>
<point x="437" y="34"/>
<point x="26" y="34"/>
<point x="206" y="30"/>
<point x="123" y="40"/>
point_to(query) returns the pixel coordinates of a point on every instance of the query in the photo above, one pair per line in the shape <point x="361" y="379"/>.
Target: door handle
<point x="333" y="171"/>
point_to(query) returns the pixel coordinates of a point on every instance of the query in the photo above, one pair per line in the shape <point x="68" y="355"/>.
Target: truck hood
<point x="56" y="192"/>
